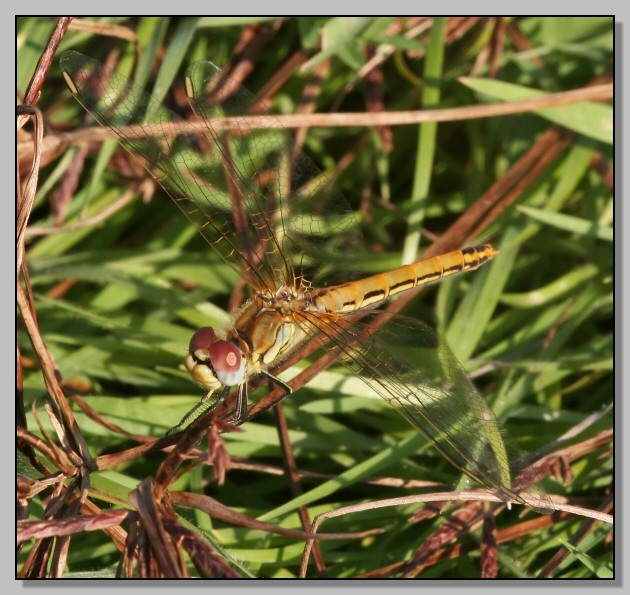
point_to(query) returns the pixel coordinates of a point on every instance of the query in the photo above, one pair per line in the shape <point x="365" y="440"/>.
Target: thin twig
<point x="442" y="497"/>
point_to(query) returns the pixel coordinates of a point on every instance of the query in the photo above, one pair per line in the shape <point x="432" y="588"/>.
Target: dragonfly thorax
<point x="263" y="333"/>
<point x="284" y="299"/>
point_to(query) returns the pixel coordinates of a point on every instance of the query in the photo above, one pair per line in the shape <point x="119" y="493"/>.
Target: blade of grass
<point x="427" y="133"/>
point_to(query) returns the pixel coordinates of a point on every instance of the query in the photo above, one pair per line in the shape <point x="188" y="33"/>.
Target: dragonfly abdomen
<point x="377" y="288"/>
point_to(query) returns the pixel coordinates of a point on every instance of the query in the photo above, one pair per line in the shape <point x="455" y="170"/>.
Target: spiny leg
<point x="239" y="415"/>
<point x="287" y="389"/>
<point x="240" y="410"/>
<point x="204" y="399"/>
<point x="283" y="385"/>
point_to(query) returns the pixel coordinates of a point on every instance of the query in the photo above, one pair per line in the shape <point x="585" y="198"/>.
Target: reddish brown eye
<point x="212" y="361"/>
<point x="202" y="339"/>
<point x="225" y="356"/>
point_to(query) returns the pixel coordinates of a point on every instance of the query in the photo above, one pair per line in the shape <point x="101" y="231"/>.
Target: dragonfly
<point x="270" y="214"/>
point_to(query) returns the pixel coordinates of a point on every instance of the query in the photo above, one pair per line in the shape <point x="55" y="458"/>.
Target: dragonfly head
<point x="214" y="362"/>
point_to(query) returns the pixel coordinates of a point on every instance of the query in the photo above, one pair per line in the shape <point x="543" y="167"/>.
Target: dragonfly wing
<point x="298" y="221"/>
<point x="405" y="363"/>
<point x="267" y="214"/>
<point x="165" y="145"/>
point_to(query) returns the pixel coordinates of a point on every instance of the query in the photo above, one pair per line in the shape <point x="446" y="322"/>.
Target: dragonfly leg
<point x="193" y="411"/>
<point x="239" y="414"/>
<point x="287" y="389"/>
<point x="283" y="385"/>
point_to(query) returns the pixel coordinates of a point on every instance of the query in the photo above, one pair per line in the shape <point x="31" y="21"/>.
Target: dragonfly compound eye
<point x="198" y="362"/>
<point x="201" y="342"/>
<point x="227" y="361"/>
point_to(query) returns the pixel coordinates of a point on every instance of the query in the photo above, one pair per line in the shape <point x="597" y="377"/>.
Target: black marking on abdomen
<point x="457" y="267"/>
<point x="410" y="282"/>
<point x="372" y="294"/>
<point x="429" y="276"/>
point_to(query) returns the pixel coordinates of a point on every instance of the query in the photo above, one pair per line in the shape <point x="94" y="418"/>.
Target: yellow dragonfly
<point x="267" y="211"/>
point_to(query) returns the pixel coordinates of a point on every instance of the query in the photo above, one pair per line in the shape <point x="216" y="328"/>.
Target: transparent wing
<point x="405" y="363"/>
<point x="300" y="222"/>
<point x="267" y="211"/>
